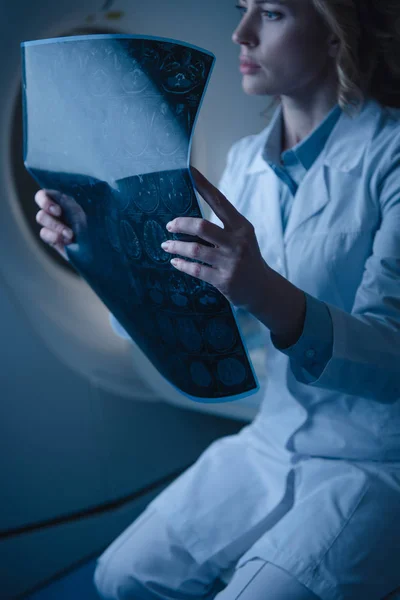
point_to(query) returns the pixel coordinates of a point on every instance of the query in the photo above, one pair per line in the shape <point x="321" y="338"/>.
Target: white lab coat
<point x="329" y="448"/>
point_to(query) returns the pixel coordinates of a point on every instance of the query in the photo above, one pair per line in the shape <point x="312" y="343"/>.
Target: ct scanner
<point x="90" y="431"/>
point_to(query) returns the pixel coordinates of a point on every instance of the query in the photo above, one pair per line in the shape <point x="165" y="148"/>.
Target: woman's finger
<point x="44" y="202"/>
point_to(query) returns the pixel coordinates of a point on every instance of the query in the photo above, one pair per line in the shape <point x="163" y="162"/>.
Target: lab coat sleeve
<point x="225" y="187"/>
<point x="117" y="327"/>
<point x="312" y="351"/>
<point x="226" y="180"/>
<point x="366" y="342"/>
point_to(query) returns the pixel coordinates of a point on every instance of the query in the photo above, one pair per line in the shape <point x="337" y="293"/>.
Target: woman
<point x="304" y="502"/>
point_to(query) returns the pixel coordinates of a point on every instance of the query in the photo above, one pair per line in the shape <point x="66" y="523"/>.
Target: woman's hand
<point x="55" y="231"/>
<point x="237" y="268"/>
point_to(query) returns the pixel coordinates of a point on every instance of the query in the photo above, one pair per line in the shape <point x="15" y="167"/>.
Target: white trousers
<point x="147" y="562"/>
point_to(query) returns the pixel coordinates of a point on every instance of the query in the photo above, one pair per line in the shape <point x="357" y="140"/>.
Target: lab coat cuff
<point x="117" y="327"/>
<point x="312" y="351"/>
<point x="365" y="358"/>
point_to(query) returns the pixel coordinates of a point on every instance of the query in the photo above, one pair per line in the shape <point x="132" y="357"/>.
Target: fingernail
<point x="55" y="210"/>
<point x="67" y="233"/>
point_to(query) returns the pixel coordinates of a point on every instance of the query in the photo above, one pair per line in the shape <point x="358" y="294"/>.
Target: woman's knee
<point x="110" y="578"/>
<point x="117" y="570"/>
<point x="105" y="583"/>
<point x="114" y="582"/>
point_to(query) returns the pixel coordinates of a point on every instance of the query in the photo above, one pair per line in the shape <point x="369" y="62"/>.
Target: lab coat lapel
<point x="274" y="216"/>
<point x="265" y="209"/>
<point x="309" y="200"/>
<point x="343" y="152"/>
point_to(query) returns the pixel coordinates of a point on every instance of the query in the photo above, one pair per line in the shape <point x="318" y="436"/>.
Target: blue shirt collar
<point x="305" y="151"/>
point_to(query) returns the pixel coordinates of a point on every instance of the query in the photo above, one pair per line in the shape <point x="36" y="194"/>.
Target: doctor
<point x="303" y="503"/>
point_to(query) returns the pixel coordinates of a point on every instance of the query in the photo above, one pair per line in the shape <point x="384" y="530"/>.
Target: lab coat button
<point x="310" y="353"/>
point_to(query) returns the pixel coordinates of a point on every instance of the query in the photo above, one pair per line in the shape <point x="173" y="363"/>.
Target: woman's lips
<point x="248" y="67"/>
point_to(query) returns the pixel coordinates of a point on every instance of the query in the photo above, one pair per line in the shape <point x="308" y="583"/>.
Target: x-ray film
<point x="108" y="123"/>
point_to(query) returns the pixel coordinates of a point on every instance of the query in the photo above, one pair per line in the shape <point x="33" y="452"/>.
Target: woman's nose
<point x="245" y="33"/>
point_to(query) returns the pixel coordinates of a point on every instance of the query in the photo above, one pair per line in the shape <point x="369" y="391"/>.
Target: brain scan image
<point x="113" y="134"/>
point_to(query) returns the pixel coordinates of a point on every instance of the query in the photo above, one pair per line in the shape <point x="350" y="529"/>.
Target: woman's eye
<point x="242" y="9"/>
<point x="271" y="12"/>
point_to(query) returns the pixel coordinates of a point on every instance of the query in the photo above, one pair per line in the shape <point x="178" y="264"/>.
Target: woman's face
<point x="289" y="41"/>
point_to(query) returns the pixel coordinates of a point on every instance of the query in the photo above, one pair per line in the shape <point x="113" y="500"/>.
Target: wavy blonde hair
<point x="368" y="59"/>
